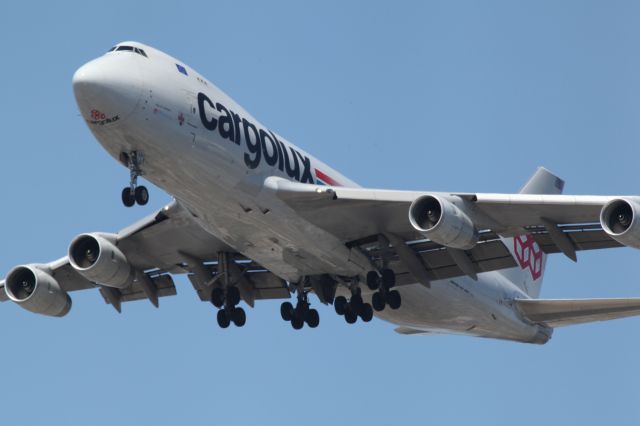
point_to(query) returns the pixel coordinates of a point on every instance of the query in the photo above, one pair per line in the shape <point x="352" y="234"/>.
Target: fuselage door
<point x="190" y="118"/>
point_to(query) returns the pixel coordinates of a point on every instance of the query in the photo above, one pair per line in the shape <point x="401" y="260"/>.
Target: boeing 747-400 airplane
<point x="255" y="217"/>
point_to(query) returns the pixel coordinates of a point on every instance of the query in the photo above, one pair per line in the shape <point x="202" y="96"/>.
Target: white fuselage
<point x="213" y="157"/>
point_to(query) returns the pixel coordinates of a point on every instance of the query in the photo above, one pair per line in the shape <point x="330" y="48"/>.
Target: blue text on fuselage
<point x="260" y="144"/>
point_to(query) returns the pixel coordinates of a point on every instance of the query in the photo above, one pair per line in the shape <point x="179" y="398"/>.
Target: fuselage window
<point x="140" y="52"/>
<point x="129" y="49"/>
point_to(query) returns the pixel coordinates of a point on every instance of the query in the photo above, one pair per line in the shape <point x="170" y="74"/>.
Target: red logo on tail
<point x="528" y="254"/>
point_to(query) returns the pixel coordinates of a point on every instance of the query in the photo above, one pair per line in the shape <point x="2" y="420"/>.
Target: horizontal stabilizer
<point x="562" y="312"/>
<point x="408" y="331"/>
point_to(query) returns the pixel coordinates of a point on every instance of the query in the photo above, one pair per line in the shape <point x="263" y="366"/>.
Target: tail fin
<point x="531" y="260"/>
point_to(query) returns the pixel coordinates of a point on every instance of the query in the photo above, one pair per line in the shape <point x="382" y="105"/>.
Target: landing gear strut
<point x="302" y="313"/>
<point x="353" y="308"/>
<point x="227" y="297"/>
<point x="227" y="300"/>
<point x="133" y="193"/>
<point x="383" y="283"/>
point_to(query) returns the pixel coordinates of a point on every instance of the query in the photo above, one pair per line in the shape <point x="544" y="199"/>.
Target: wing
<point x="559" y="223"/>
<point x="359" y="212"/>
<point x="166" y="243"/>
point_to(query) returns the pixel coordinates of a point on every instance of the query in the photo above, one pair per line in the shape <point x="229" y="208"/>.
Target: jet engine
<point x="619" y="219"/>
<point x="37" y="291"/>
<point x="97" y="258"/>
<point x="443" y="222"/>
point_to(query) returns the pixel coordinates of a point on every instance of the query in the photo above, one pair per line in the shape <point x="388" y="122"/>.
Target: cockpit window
<point x="128" y="49"/>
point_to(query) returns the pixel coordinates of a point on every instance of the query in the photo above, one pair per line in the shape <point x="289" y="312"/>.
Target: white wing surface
<point x="165" y="243"/>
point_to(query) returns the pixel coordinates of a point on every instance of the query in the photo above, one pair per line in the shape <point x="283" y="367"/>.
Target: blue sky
<point x="459" y="96"/>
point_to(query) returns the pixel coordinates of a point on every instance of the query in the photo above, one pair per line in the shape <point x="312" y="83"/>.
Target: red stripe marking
<point x="326" y="178"/>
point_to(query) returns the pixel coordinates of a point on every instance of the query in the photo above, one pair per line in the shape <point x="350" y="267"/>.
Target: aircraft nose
<point x="107" y="89"/>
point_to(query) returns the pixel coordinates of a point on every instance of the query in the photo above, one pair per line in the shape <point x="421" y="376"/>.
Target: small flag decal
<point x="324" y="179"/>
<point x="182" y="69"/>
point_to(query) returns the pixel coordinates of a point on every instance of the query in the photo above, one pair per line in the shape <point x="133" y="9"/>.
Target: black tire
<point x="350" y="317"/>
<point x="286" y="311"/>
<point x="142" y="195"/>
<point x="394" y="299"/>
<point x="297" y="323"/>
<point x="373" y="280"/>
<point x="340" y="305"/>
<point x="356" y="303"/>
<point x="217" y="297"/>
<point x="233" y="295"/>
<point x="388" y="278"/>
<point x="223" y="319"/>
<point x="127" y="198"/>
<point x="313" y="318"/>
<point x="366" y="313"/>
<point x="377" y="300"/>
<point x="239" y="317"/>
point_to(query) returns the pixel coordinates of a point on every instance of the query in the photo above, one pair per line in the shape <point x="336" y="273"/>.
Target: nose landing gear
<point x="133" y="193"/>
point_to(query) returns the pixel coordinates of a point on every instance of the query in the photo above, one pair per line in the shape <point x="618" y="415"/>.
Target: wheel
<point x="350" y="316"/>
<point x="394" y="299"/>
<point x="378" y="301"/>
<point x="127" y="198"/>
<point x="217" y="297"/>
<point x="233" y="295"/>
<point x="373" y="280"/>
<point x="313" y="318"/>
<point x="356" y="303"/>
<point x="286" y="311"/>
<point x="340" y="305"/>
<point x="388" y="278"/>
<point x="141" y="195"/>
<point x="239" y="317"/>
<point x="297" y="323"/>
<point x="366" y="312"/>
<point x="223" y="320"/>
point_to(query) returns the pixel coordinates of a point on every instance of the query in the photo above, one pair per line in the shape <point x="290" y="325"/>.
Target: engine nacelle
<point x="96" y="257"/>
<point x="619" y="219"/>
<point x="37" y="291"/>
<point x="442" y="222"/>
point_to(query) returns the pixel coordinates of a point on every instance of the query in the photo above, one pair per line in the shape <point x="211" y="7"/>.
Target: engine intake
<point x="443" y="222"/>
<point x="619" y="219"/>
<point x="98" y="259"/>
<point x="37" y="291"/>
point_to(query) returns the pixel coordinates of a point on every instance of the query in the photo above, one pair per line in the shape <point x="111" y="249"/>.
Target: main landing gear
<point x="133" y="193"/>
<point x="300" y="314"/>
<point x="353" y="308"/>
<point x="383" y="283"/>
<point x="227" y="299"/>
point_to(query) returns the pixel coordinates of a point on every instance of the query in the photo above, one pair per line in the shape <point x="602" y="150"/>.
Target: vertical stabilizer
<point x="529" y="273"/>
